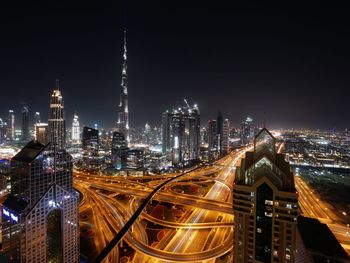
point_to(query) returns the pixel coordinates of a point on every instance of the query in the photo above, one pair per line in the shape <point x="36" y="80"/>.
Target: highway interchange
<point x="203" y="233"/>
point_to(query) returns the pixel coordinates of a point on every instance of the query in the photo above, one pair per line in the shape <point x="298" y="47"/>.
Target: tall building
<point x="212" y="135"/>
<point x="90" y="141"/>
<point x="166" y="129"/>
<point x="119" y="152"/>
<point x="75" y="129"/>
<point x="247" y="131"/>
<point x="219" y="130"/>
<point x="57" y="124"/>
<point x="42" y="132"/>
<point x="135" y="159"/>
<point x="225" y="143"/>
<point x="25" y="124"/>
<point x="37" y="118"/>
<point x="123" y="109"/>
<point x="265" y="205"/>
<point x="181" y="133"/>
<point x="11" y="125"/>
<point x="218" y="135"/>
<point x="40" y="215"/>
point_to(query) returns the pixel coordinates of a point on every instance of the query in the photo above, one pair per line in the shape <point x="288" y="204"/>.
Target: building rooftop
<point x="29" y="152"/>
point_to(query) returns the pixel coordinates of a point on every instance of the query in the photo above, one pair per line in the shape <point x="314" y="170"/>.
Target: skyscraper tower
<point x="119" y="151"/>
<point x="123" y="109"/>
<point x="75" y="129"/>
<point x="37" y="118"/>
<point x="40" y="215"/>
<point x="181" y="133"/>
<point x="25" y="124"/>
<point x="247" y="131"/>
<point x="265" y="205"/>
<point x="57" y="124"/>
<point x="11" y="125"/>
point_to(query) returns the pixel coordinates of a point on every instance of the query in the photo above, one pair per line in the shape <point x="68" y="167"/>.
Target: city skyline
<point x="184" y="131"/>
<point x="241" y="51"/>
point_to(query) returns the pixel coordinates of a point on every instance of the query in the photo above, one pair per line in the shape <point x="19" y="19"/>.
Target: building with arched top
<point x="265" y="205"/>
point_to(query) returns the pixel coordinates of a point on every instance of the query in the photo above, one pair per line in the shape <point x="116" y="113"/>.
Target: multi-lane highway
<point x="209" y="224"/>
<point x="203" y="233"/>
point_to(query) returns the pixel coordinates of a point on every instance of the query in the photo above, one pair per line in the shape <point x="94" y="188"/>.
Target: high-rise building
<point x="218" y="135"/>
<point x="181" y="133"/>
<point x="225" y="143"/>
<point x="166" y="129"/>
<point x="123" y="108"/>
<point x="90" y="141"/>
<point x="57" y="124"/>
<point x="247" y="131"/>
<point x="135" y="159"/>
<point x="42" y="132"/>
<point x="40" y="215"/>
<point x="25" y="124"/>
<point x="219" y="130"/>
<point x="119" y="152"/>
<point x="75" y="129"/>
<point x="37" y="118"/>
<point x="3" y="130"/>
<point x="212" y="136"/>
<point x="265" y="205"/>
<point x="204" y="135"/>
<point x="11" y="125"/>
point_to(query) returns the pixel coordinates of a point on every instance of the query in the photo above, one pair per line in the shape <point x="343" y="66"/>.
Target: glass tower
<point x="40" y="215"/>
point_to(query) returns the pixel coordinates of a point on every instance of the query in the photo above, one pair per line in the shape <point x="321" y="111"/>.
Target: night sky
<point x="290" y="60"/>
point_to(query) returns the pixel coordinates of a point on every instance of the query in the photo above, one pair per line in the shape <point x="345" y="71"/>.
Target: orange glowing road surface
<point x="203" y="233"/>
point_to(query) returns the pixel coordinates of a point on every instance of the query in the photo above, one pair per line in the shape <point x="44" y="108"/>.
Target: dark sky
<point x="290" y="60"/>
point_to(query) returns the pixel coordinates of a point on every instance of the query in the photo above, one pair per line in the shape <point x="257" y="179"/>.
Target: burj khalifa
<point x="123" y="110"/>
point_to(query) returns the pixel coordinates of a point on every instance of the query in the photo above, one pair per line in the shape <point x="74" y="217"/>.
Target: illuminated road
<point x="202" y="233"/>
<point x="100" y="191"/>
<point x="312" y="205"/>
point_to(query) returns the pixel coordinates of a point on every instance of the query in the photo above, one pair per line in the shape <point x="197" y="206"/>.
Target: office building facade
<point x="40" y="215"/>
<point x="119" y="151"/>
<point x="265" y="205"/>
<point x="41" y="132"/>
<point x="181" y="133"/>
<point x="90" y="142"/>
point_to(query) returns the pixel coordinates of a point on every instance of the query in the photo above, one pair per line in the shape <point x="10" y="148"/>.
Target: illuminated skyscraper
<point x="225" y="144"/>
<point x="265" y="205"/>
<point x="166" y="139"/>
<point x="123" y="109"/>
<point x="41" y="132"/>
<point x="40" y="215"/>
<point x="25" y="124"/>
<point x="181" y="133"/>
<point x="11" y="125"/>
<point x="90" y="142"/>
<point x="212" y="135"/>
<point x="37" y="117"/>
<point x="247" y="131"/>
<point x="119" y="151"/>
<point x="75" y="129"/>
<point x="57" y="124"/>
